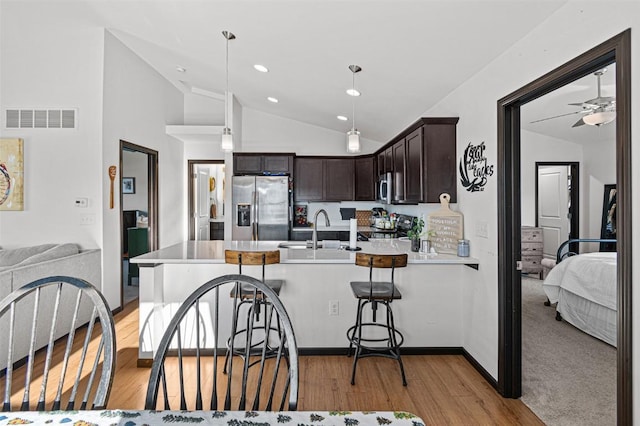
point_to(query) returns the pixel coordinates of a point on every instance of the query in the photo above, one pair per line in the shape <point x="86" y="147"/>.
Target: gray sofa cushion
<point x="19" y="257"/>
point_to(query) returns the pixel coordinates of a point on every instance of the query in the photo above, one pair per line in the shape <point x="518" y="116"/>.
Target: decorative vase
<point x="415" y="244"/>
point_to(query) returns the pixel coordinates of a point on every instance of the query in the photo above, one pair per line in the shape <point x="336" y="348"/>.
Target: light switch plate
<point x="482" y="229"/>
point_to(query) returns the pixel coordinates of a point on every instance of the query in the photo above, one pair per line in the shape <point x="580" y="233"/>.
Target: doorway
<point x="557" y="204"/>
<point x="617" y="50"/>
<point x="206" y="199"/>
<point x="138" y="212"/>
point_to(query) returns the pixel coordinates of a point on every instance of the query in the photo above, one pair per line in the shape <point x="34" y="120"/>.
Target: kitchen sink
<point x="294" y="245"/>
<point x="307" y="245"/>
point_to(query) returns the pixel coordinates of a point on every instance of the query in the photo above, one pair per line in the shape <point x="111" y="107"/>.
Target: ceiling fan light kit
<point x="353" y="135"/>
<point x="599" y="118"/>
<point x="598" y="111"/>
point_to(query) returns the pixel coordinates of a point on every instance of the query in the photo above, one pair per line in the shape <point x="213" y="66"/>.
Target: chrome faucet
<point x="314" y="238"/>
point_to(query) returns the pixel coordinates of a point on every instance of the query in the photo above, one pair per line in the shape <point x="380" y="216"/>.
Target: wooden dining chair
<point x="188" y="365"/>
<point x="81" y="375"/>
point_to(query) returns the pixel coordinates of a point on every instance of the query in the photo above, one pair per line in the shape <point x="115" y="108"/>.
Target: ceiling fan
<point x="597" y="111"/>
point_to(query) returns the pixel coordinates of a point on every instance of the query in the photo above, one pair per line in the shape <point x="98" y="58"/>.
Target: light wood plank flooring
<point x="442" y="390"/>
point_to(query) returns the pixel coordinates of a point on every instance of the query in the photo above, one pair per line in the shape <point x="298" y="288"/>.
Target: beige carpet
<point x="568" y="377"/>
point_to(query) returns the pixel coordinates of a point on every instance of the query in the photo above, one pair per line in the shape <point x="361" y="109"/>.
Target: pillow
<point x="55" y="252"/>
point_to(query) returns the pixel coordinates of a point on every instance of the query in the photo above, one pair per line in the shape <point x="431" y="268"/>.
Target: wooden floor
<point x="442" y="390"/>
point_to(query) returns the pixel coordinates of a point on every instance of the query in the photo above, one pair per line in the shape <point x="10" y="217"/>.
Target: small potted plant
<point x="414" y="234"/>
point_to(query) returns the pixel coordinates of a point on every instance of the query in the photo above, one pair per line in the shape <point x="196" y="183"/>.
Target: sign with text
<point x="447" y="227"/>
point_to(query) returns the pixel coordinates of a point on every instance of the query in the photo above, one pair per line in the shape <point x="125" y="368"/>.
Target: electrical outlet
<point x="87" y="219"/>
<point x="482" y="229"/>
<point x="334" y="307"/>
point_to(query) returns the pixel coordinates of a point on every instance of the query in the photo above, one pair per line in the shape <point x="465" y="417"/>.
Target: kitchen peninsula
<point x="430" y="313"/>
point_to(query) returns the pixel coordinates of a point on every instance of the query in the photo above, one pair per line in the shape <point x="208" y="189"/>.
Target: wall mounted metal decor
<point x="474" y="168"/>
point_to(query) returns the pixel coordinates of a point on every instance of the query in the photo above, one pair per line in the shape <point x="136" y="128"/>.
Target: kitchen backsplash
<point x="333" y="209"/>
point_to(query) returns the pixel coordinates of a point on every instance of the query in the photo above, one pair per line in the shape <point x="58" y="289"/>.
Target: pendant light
<point x="227" y="138"/>
<point x="353" y="135"/>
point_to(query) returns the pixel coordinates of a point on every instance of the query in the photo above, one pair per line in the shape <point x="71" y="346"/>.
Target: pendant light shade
<point x="227" y="138"/>
<point x="353" y="135"/>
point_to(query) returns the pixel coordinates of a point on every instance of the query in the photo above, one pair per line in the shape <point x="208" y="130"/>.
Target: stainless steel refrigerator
<point x="261" y="208"/>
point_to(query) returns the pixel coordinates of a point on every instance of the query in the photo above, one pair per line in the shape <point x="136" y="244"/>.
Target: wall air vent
<point x="41" y="118"/>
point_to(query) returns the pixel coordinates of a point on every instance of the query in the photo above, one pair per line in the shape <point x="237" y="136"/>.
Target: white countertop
<point x="190" y="252"/>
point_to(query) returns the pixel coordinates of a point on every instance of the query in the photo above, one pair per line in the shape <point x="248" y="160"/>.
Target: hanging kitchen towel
<point x="447" y="226"/>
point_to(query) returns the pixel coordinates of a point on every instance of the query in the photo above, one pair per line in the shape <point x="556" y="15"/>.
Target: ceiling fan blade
<point x="556" y="116"/>
<point x="579" y="123"/>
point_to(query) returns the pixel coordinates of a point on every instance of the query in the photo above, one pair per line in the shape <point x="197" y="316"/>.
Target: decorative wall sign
<point x="11" y="174"/>
<point x="474" y="168"/>
<point x="447" y="227"/>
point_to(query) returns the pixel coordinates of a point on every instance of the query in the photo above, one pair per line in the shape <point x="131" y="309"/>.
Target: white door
<point x="553" y="207"/>
<point x="202" y="203"/>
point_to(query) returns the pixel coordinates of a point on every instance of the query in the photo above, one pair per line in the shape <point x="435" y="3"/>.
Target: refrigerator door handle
<point x="254" y="235"/>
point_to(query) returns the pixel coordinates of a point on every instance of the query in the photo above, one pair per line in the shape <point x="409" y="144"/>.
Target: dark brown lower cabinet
<point x="216" y="231"/>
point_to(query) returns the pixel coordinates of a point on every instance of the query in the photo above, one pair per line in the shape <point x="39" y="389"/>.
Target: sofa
<point x="23" y="265"/>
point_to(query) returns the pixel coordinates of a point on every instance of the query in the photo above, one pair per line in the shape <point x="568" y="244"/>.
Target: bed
<point x="584" y="287"/>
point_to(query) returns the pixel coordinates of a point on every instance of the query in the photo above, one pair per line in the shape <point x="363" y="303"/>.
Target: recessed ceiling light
<point x="272" y="99"/>
<point x="342" y="118"/>
<point x="353" y="92"/>
<point x="261" y="68"/>
<point x="181" y="69"/>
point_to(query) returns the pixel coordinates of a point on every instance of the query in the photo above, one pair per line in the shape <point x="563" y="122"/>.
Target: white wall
<point x="575" y="28"/>
<point x="264" y="132"/>
<point x="600" y="170"/>
<point x="138" y="103"/>
<point x="60" y="164"/>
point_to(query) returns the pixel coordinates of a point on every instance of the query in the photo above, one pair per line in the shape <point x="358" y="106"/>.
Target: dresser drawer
<point x="532" y="249"/>
<point x="531" y="264"/>
<point x="531" y="234"/>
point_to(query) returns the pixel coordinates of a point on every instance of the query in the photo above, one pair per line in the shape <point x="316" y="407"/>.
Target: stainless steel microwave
<point x="384" y="188"/>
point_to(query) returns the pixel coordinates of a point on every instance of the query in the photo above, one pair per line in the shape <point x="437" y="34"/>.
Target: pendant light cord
<point x="353" y="103"/>
<point x="226" y="93"/>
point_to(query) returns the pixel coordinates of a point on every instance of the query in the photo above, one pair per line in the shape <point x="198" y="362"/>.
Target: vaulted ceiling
<point x="413" y="53"/>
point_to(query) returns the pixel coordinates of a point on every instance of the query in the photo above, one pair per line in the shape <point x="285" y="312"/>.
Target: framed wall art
<point x="128" y="185"/>
<point x="11" y="174"/>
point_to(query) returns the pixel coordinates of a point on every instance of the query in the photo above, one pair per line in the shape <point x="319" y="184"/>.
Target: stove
<point x="403" y="224"/>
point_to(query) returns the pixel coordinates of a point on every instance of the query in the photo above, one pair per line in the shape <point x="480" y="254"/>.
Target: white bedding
<point x="584" y="287"/>
<point x="590" y="275"/>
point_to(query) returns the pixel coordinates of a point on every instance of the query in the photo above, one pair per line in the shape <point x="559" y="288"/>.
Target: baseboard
<point x="403" y="351"/>
<point x="484" y="373"/>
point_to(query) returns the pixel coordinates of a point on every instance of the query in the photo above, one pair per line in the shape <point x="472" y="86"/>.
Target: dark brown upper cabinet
<point x="399" y="171"/>
<point x="439" y="159"/>
<point x="413" y="170"/>
<point x="309" y="179"/>
<point x="324" y="179"/>
<point x="339" y="179"/>
<point x="423" y="161"/>
<point x="262" y="164"/>
<point x="365" y="178"/>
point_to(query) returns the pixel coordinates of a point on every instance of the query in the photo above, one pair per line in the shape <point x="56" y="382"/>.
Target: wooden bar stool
<point x="386" y="344"/>
<point x="244" y="296"/>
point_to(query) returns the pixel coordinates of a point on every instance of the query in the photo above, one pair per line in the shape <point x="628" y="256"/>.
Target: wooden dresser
<point x="531" y="250"/>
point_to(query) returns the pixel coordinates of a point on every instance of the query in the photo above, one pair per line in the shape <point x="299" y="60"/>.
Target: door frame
<point x="618" y="50"/>
<point x="574" y="222"/>
<point x="190" y="189"/>
<point x="152" y="200"/>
